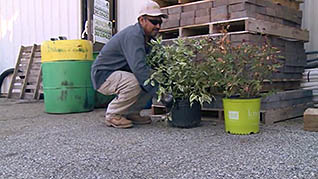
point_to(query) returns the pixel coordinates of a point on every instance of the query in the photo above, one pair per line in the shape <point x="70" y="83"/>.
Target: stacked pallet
<point x="249" y="21"/>
<point x="276" y="107"/>
<point x="293" y="4"/>
<point x="246" y="19"/>
<point x="26" y="80"/>
<point x="217" y="11"/>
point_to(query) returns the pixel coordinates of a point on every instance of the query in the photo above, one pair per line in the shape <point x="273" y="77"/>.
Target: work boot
<point x="139" y="120"/>
<point x="118" y="122"/>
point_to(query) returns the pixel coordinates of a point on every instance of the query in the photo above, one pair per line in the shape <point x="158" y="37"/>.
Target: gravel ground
<point x="34" y="144"/>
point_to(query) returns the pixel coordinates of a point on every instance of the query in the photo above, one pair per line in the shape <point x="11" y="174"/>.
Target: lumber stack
<point x="294" y="4"/>
<point x="207" y="11"/>
<point x="276" y="107"/>
<point x="246" y="19"/>
<point x="26" y="81"/>
<point x="250" y="21"/>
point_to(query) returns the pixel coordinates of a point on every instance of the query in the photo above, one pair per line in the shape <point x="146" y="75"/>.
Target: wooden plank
<point x="218" y="3"/>
<point x="40" y="91"/>
<point x="203" y="12"/>
<point x="287" y="95"/>
<point x="293" y="69"/>
<point x="15" y="72"/>
<point x="311" y="120"/>
<point x="14" y="95"/>
<point x="273" y="115"/>
<point x="202" y="19"/>
<point x="165" y="3"/>
<point x="284" y="76"/>
<point x="279" y="114"/>
<point x="189" y="8"/>
<point x="187" y="18"/>
<point x="158" y="109"/>
<point x="200" y="4"/>
<point x="31" y="87"/>
<point x="288" y="3"/>
<point x="175" y="10"/>
<point x="185" y="1"/>
<point x="286" y="103"/>
<point x="27" y="72"/>
<point x="219" y="13"/>
<point x="17" y="86"/>
<point x="28" y="96"/>
<point x="26" y="55"/>
<point x="18" y="80"/>
<point x="281" y="85"/>
<point x="275" y="29"/>
<point x="35" y="68"/>
<point x="207" y="4"/>
<point x="36" y="94"/>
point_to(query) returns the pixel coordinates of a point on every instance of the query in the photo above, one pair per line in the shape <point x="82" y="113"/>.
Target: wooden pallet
<point x="293" y="4"/>
<point x="289" y="3"/>
<point x="281" y="114"/>
<point x="269" y="116"/>
<point x="277" y="107"/>
<point x="210" y="11"/>
<point x="272" y="116"/>
<point x="237" y="26"/>
<point x="26" y="80"/>
<point x="165" y="3"/>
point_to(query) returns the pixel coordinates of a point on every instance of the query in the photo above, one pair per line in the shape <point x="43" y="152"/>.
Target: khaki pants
<point x="130" y="97"/>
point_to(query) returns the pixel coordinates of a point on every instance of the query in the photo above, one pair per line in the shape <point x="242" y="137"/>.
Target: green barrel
<point x="95" y="54"/>
<point x="67" y="86"/>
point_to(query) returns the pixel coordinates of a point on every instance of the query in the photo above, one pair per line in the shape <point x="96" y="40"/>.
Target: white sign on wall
<point x="102" y="27"/>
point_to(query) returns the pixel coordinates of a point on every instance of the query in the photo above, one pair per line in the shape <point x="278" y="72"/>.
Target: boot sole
<point x="108" y="124"/>
<point x="141" y="122"/>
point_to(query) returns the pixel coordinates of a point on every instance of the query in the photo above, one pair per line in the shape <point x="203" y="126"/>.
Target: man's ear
<point x="141" y="19"/>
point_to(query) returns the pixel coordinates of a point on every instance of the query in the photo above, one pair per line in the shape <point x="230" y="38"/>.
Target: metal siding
<point x="128" y="12"/>
<point x="310" y="15"/>
<point x="25" y="22"/>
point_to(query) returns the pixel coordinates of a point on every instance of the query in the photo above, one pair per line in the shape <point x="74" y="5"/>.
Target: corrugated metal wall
<point x="128" y="12"/>
<point x="310" y="16"/>
<point x="25" y="22"/>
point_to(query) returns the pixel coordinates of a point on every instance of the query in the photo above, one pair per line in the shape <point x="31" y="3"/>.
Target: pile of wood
<point x="294" y="4"/>
<point x="219" y="10"/>
<point x="249" y="21"/>
<point x="27" y="78"/>
<point x="246" y="19"/>
<point x="276" y="107"/>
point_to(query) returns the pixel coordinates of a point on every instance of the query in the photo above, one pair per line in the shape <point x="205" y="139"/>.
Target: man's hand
<point x="167" y="100"/>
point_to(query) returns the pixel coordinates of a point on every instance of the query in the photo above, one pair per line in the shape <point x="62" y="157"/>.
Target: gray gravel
<point x="34" y="144"/>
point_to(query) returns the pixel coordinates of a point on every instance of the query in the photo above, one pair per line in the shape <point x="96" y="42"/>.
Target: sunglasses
<point x="155" y="22"/>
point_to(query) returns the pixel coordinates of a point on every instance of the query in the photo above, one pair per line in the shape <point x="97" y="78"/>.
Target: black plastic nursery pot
<point x="184" y="116"/>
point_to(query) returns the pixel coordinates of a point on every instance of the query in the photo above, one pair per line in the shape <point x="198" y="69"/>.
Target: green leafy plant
<point x="178" y="69"/>
<point x="241" y="69"/>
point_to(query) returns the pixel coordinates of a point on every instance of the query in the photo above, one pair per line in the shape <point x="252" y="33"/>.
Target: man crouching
<point x="121" y="69"/>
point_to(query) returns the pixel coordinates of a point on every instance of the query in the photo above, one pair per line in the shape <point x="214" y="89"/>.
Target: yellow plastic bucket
<point x="242" y="116"/>
<point x="66" y="50"/>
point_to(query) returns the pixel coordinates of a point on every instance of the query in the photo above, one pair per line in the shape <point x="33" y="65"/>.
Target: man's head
<point x="150" y="18"/>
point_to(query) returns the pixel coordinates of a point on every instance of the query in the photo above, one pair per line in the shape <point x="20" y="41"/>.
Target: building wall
<point x="128" y="12"/>
<point x="25" y="22"/>
<point x="310" y="16"/>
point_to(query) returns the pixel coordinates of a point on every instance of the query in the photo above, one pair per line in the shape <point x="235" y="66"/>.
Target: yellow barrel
<point x="62" y="50"/>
